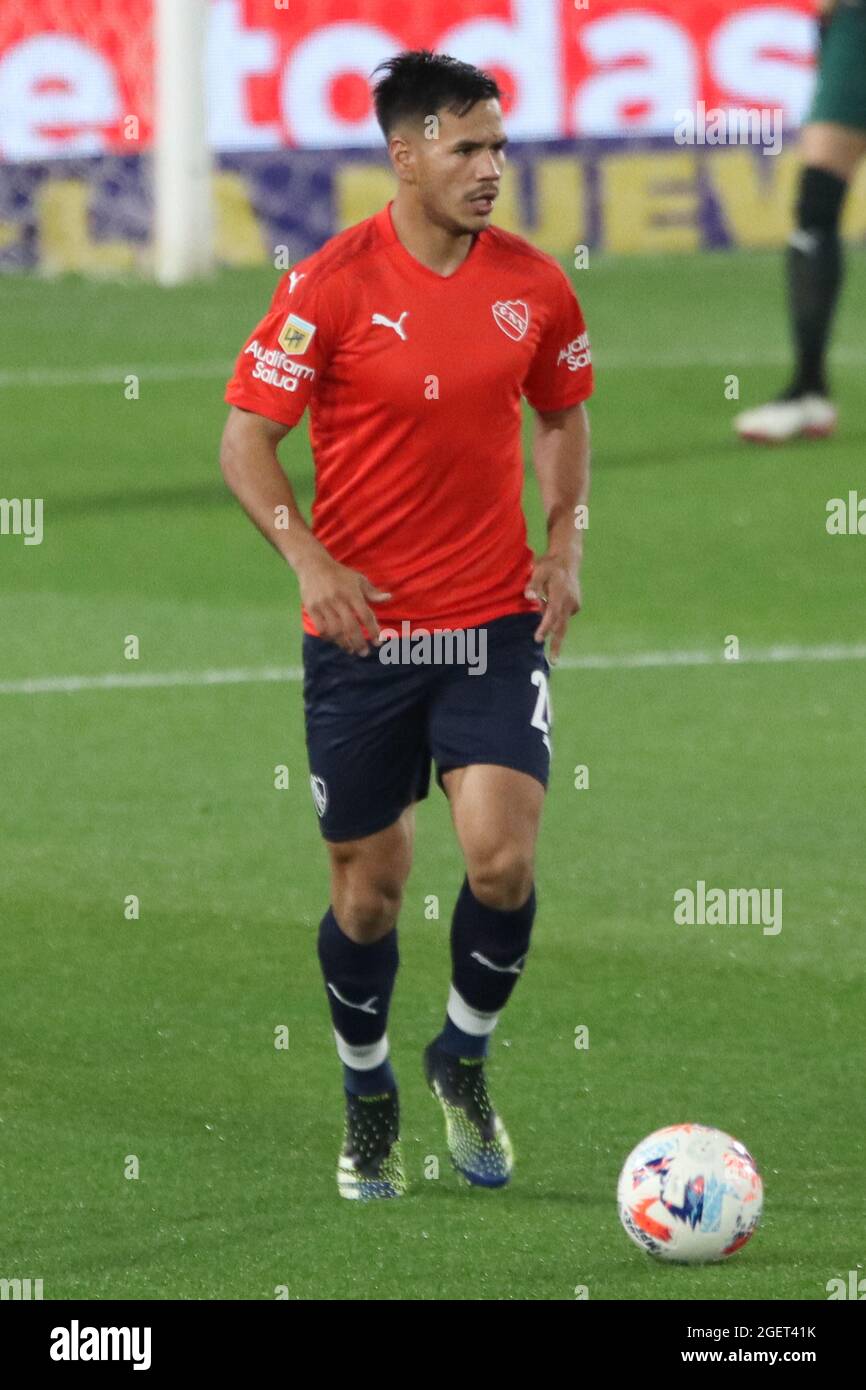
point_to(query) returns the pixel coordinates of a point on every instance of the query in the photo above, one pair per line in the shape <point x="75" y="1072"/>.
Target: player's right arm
<point x="336" y="598"/>
<point x="268" y="393"/>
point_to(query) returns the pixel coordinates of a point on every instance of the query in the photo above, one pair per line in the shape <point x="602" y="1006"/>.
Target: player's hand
<point x="556" y="586"/>
<point x="338" y="601"/>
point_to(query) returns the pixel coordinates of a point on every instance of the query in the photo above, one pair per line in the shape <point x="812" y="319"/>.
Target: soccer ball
<point x="690" y="1193"/>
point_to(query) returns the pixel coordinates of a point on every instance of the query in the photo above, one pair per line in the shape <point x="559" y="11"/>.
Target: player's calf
<point x="359" y="979"/>
<point x="489" y="947"/>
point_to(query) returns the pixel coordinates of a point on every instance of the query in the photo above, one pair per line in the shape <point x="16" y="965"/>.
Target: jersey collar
<point x="408" y="261"/>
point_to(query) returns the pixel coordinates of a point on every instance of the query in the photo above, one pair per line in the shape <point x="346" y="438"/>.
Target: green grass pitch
<point x="155" y="1037"/>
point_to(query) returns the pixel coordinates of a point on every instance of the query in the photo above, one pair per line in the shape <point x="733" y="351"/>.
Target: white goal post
<point x="183" y="213"/>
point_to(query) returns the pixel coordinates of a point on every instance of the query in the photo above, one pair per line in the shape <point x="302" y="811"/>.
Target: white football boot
<point x="804" y="417"/>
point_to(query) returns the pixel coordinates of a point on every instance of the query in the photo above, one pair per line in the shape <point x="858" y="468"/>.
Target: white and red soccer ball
<point x="691" y="1194"/>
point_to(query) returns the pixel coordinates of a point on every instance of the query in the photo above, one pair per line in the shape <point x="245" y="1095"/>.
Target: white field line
<point x="221" y="371"/>
<point x="256" y="675"/>
<point x="114" y="376"/>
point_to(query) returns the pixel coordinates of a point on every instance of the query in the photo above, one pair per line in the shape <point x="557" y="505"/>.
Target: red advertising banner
<point x="76" y="75"/>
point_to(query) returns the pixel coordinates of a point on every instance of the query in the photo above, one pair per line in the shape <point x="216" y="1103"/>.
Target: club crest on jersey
<point x="296" y="335"/>
<point x="512" y="316"/>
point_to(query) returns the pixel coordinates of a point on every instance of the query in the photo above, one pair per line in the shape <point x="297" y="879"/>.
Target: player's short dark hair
<point x="418" y="83"/>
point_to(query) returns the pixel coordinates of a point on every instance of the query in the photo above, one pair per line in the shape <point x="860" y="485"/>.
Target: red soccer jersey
<point x="414" y="382"/>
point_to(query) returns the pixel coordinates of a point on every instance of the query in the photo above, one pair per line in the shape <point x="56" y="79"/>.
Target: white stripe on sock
<point x="363" y="1058"/>
<point x="470" y="1020"/>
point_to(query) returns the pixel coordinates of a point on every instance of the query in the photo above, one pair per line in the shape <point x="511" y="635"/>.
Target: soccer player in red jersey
<point x="412" y="337"/>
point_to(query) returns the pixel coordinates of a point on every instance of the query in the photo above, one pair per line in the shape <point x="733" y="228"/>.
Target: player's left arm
<point x="560" y="455"/>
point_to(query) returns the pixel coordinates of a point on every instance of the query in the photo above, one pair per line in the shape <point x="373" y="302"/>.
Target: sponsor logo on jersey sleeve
<point x="296" y="335"/>
<point x="512" y="315"/>
<point x="576" y="354"/>
<point x="275" y="368"/>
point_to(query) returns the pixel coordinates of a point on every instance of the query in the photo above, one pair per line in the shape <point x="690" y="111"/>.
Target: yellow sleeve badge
<point x="296" y="335"/>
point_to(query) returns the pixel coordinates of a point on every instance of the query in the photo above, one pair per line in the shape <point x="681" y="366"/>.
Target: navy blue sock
<point x="359" y="980"/>
<point x="488" y="952"/>
<point x="815" y="269"/>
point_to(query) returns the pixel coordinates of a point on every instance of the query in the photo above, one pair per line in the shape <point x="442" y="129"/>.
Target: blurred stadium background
<point x="153" y="1035"/>
<point x="296" y="154"/>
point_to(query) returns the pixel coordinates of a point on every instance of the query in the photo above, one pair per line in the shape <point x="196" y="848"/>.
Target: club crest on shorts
<point x="512" y="315"/>
<point x="296" y="335"/>
<point x="320" y="794"/>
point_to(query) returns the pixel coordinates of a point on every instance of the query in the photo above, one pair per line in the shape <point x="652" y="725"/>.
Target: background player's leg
<point x="831" y="154"/>
<point x="358" y="948"/>
<point x="496" y="813"/>
<point x="836" y="148"/>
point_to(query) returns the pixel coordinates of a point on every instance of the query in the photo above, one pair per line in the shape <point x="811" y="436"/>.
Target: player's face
<point x="459" y="170"/>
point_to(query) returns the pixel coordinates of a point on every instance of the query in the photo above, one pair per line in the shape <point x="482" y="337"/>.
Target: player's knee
<point x="366" y="903"/>
<point x="501" y="876"/>
<point x="820" y="199"/>
<point x="366" y="912"/>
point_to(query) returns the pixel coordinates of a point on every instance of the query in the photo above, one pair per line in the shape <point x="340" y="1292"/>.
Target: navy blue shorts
<point x="374" y="725"/>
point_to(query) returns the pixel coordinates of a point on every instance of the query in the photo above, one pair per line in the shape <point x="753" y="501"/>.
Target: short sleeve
<point x="280" y="363"/>
<point x="560" y="374"/>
